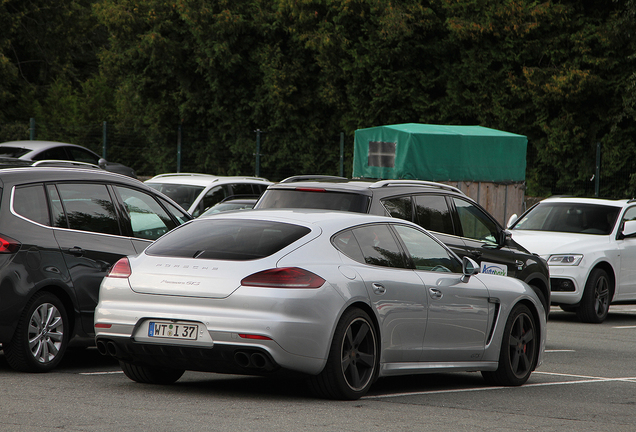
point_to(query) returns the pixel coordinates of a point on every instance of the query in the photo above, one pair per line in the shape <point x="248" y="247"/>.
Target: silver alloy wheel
<point x="46" y="333"/>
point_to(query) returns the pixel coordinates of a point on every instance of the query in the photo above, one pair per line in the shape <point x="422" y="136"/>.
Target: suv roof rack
<point x="64" y="163"/>
<point x="298" y="178"/>
<point x="385" y="183"/>
<point x="183" y="175"/>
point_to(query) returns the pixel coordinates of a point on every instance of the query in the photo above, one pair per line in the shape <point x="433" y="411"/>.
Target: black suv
<point x="61" y="230"/>
<point x="453" y="217"/>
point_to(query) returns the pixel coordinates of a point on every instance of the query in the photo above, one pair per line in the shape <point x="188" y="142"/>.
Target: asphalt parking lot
<point x="587" y="382"/>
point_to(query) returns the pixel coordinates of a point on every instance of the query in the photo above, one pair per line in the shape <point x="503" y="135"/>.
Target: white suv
<point x="590" y="246"/>
<point x="198" y="192"/>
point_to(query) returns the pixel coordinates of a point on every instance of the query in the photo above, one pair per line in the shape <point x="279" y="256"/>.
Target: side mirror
<point x="469" y="268"/>
<point x="504" y="236"/>
<point x="512" y="220"/>
<point x="629" y="228"/>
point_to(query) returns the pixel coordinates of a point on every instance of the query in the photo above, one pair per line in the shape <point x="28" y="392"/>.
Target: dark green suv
<point x="453" y="217"/>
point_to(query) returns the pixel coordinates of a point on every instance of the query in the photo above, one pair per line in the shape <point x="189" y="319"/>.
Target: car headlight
<point x="565" y="260"/>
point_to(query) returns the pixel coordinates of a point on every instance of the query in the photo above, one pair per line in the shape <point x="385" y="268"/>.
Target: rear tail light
<point x="8" y="245"/>
<point x="121" y="269"/>
<point x="287" y="277"/>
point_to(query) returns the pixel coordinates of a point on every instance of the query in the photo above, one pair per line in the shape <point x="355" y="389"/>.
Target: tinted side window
<point x="56" y="153"/>
<point x="212" y="197"/>
<point x="147" y="218"/>
<point x="89" y="207"/>
<point x="426" y="253"/>
<point x="242" y="189"/>
<point x="433" y="213"/>
<point x="82" y="155"/>
<point x="630" y="214"/>
<point x="30" y="202"/>
<point x="399" y="207"/>
<point x="475" y="223"/>
<point x="57" y="211"/>
<point x="176" y="212"/>
<point x="379" y="246"/>
<point x="346" y="243"/>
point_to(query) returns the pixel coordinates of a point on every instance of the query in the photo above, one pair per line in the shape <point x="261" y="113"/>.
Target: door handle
<point x="378" y="288"/>
<point x="435" y="293"/>
<point x="77" y="251"/>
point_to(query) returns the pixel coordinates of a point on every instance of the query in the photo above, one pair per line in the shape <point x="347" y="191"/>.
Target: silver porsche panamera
<point x="342" y="298"/>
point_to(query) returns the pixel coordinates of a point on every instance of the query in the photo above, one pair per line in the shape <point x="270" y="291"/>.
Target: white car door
<point x="626" y="287"/>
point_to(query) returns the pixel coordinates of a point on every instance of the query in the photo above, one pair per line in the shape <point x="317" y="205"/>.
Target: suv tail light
<point x="8" y="245"/>
<point x="121" y="269"/>
<point x="287" y="277"/>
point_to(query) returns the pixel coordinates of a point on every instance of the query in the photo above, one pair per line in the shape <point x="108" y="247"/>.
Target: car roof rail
<point x="64" y="163"/>
<point x="385" y="183"/>
<point x="299" y="178"/>
<point x="183" y="175"/>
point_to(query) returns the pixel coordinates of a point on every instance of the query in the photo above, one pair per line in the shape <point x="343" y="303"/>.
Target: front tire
<point x="41" y="337"/>
<point x="596" y="298"/>
<point x="151" y="375"/>
<point x="519" y="348"/>
<point x="352" y="365"/>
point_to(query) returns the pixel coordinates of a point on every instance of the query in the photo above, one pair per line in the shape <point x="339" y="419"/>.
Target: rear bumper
<point x="219" y="358"/>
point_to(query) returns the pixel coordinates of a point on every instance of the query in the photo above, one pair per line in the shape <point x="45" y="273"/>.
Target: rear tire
<point x="596" y="298"/>
<point x="352" y="365"/>
<point x="41" y="337"/>
<point x="519" y="349"/>
<point x="151" y="375"/>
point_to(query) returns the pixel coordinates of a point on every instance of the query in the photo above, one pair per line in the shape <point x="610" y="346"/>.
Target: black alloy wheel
<point x="519" y="349"/>
<point x="596" y="298"/>
<point x="352" y="365"/>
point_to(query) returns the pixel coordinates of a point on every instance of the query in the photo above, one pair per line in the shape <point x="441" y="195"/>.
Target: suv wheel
<point x="41" y="336"/>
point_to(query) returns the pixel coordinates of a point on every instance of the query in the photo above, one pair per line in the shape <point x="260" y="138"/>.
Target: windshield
<point x="184" y="195"/>
<point x="313" y="199"/>
<point x="570" y="217"/>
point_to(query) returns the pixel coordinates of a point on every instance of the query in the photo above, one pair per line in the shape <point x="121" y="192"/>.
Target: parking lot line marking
<point x="624" y="327"/>
<point x="101" y="373"/>
<point x="587" y="380"/>
<point x="562" y="350"/>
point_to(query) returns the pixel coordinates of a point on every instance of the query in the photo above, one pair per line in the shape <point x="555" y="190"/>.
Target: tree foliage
<point x="303" y="71"/>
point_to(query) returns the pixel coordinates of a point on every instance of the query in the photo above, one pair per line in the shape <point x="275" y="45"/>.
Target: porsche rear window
<point x="234" y="240"/>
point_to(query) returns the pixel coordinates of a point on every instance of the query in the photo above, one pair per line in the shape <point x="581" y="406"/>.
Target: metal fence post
<point x="598" y="169"/>
<point x="179" y="132"/>
<point x="104" y="139"/>
<point x="257" y="170"/>
<point x="341" y="154"/>
<point x="32" y="129"/>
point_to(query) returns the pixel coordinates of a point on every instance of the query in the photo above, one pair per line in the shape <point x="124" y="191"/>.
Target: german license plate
<point x="172" y="330"/>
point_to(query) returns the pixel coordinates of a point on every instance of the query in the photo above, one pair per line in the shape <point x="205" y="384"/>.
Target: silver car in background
<point x="343" y="298"/>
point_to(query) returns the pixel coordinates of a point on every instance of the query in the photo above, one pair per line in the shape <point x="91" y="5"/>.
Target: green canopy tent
<point x="439" y="153"/>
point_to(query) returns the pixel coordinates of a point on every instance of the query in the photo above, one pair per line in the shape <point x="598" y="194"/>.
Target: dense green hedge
<point x="560" y="72"/>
